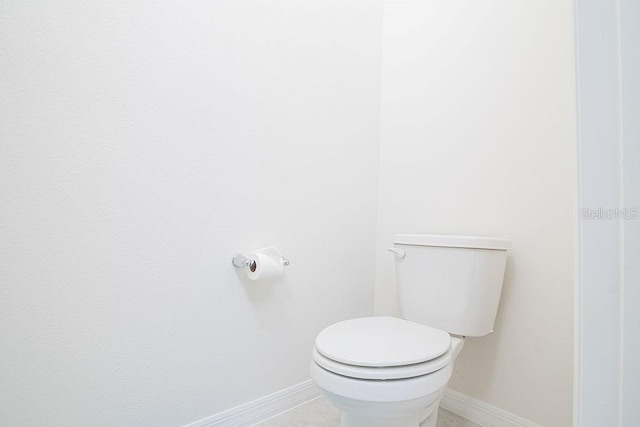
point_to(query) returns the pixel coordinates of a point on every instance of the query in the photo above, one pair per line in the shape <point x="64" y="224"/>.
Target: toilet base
<point x="356" y="421"/>
<point x="432" y="419"/>
<point x="387" y="414"/>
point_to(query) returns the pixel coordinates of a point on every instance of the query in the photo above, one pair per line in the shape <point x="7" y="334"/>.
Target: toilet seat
<point x="382" y="373"/>
<point x="382" y="348"/>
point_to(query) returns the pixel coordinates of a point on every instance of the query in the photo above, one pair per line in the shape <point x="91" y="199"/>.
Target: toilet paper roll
<point x="268" y="264"/>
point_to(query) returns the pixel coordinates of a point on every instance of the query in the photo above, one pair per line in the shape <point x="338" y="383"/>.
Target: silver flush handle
<point x="400" y="253"/>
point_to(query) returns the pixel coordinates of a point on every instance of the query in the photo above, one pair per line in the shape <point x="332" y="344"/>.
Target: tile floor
<point x="320" y="413"/>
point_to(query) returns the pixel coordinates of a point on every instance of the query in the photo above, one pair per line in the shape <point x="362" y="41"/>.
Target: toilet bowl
<point x="392" y="372"/>
<point x="384" y="371"/>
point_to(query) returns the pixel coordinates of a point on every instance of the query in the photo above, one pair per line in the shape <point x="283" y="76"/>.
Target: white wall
<point x="608" y="343"/>
<point x="630" y="66"/>
<point x="141" y="145"/>
<point x="477" y="137"/>
<point x="607" y="292"/>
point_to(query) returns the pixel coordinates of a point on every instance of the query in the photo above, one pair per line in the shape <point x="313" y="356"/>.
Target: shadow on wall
<point x="485" y="347"/>
<point x="269" y="297"/>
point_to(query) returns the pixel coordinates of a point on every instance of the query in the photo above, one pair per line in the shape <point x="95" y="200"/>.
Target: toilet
<point x="392" y="372"/>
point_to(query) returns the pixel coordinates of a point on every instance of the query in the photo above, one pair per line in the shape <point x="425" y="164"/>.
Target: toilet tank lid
<point x="472" y="242"/>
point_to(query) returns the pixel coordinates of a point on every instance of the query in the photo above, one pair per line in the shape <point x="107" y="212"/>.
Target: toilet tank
<point x="452" y="283"/>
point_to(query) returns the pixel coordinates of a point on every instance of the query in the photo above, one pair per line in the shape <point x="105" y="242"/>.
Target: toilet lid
<point x="381" y="342"/>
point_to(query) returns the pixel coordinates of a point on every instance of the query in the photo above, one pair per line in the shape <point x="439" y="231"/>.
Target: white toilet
<point x="390" y="372"/>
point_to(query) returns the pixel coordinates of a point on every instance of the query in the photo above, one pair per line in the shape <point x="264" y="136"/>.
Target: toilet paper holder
<point x="241" y="261"/>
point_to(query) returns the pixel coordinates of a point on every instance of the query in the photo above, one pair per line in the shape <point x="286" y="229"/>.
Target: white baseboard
<point x="281" y="401"/>
<point x="261" y="409"/>
<point x="480" y="412"/>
